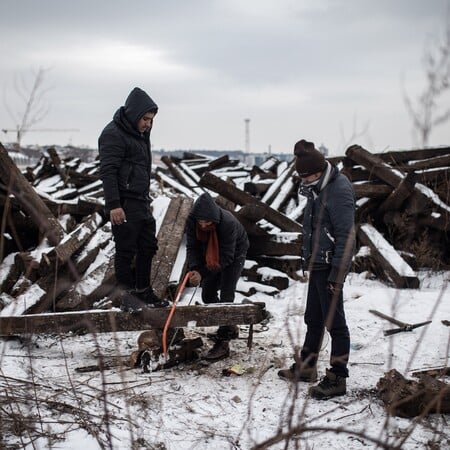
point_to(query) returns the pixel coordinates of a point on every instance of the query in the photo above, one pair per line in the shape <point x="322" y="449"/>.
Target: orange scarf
<point x="209" y="235"/>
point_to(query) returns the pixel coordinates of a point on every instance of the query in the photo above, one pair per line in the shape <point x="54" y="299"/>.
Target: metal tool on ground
<point x="403" y="326"/>
<point x="172" y="312"/>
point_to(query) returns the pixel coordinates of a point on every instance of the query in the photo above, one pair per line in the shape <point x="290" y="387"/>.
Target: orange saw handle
<point x="172" y="311"/>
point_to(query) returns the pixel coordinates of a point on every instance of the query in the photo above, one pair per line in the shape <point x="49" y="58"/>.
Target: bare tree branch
<point x="426" y="112"/>
<point x="34" y="109"/>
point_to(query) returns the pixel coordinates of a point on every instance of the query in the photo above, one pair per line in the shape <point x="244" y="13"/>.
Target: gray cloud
<point x="296" y="68"/>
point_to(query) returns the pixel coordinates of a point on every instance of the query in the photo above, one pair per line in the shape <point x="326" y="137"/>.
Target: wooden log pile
<point x="402" y="216"/>
<point x="57" y="251"/>
<point x="56" y="247"/>
<point x="412" y="215"/>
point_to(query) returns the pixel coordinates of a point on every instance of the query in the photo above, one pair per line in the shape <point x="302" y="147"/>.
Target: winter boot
<point x="331" y="385"/>
<point x="225" y="333"/>
<point x="131" y="302"/>
<point x="150" y="299"/>
<point x="299" y="372"/>
<point x="220" y="350"/>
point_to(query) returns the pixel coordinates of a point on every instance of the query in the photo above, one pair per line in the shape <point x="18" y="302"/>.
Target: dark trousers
<point x="135" y="240"/>
<point x="324" y="311"/>
<point x="224" y="280"/>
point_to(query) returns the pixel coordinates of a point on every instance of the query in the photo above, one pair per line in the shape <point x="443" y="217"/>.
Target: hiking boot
<point x="136" y="301"/>
<point x="220" y="350"/>
<point x="225" y="333"/>
<point x="131" y="303"/>
<point x="150" y="299"/>
<point x="299" y="372"/>
<point x="331" y="385"/>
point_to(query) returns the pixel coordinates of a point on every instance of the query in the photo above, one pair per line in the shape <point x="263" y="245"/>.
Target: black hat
<point x="308" y="159"/>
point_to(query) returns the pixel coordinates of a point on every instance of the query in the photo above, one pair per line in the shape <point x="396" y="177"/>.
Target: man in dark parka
<point x="328" y="247"/>
<point x="216" y="247"/>
<point x="125" y="170"/>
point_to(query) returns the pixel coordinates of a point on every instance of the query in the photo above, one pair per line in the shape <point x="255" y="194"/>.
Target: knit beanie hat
<point x="308" y="159"/>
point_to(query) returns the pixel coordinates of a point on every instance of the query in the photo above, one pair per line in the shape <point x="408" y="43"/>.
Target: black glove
<point x="334" y="289"/>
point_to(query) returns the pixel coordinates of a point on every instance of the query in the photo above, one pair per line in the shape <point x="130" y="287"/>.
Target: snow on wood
<point x="400" y="272"/>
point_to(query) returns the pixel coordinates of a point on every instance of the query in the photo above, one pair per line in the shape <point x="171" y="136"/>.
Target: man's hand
<point x="117" y="216"/>
<point x="334" y="289"/>
<point x="195" y="278"/>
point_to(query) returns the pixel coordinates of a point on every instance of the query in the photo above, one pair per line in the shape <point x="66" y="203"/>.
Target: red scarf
<point x="209" y="235"/>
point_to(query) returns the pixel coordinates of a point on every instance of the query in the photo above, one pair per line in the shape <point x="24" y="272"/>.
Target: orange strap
<point x="172" y="311"/>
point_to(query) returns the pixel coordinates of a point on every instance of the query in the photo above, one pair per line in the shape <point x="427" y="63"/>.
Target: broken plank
<point x="234" y="194"/>
<point x="389" y="259"/>
<point x="169" y="240"/>
<point x="70" y="244"/>
<point x="114" y="320"/>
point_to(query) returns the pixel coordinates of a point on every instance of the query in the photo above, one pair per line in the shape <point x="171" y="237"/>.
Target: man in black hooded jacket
<point x="125" y="169"/>
<point x="217" y="245"/>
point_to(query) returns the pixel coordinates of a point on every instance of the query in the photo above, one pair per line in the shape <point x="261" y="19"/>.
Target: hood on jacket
<point x="205" y="208"/>
<point x="136" y="105"/>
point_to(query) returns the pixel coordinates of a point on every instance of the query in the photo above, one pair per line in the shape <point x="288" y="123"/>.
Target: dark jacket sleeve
<point x="228" y="235"/>
<point x="112" y="152"/>
<point x="342" y="216"/>
<point x="194" y="248"/>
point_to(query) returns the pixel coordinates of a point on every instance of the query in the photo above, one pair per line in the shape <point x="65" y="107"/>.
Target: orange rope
<point x="172" y="311"/>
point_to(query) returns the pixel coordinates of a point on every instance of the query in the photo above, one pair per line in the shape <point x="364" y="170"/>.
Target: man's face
<point x="145" y="122"/>
<point x="311" y="178"/>
<point x="204" y="223"/>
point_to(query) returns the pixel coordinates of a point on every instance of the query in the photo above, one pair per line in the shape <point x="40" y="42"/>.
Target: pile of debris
<point x="402" y="202"/>
<point x="402" y="217"/>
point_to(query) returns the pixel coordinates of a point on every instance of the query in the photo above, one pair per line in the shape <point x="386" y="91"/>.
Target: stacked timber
<point x="56" y="247"/>
<point x="402" y="216"/>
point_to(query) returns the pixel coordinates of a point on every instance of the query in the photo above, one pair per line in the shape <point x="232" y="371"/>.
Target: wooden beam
<point x="70" y="244"/>
<point x="399" y="194"/>
<point x="112" y="321"/>
<point x="267" y="245"/>
<point x="394" y="265"/>
<point x="234" y="194"/>
<point x="169" y="240"/>
<point x="30" y="201"/>
<point x="398" y="156"/>
<point x="371" y="190"/>
<point x="375" y="165"/>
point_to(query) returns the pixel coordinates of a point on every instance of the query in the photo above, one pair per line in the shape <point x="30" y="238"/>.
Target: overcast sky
<point x="323" y="70"/>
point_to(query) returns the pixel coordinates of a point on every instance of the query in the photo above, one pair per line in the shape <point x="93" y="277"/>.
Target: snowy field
<point x="194" y="406"/>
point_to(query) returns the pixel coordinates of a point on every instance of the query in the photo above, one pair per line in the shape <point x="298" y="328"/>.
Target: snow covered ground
<point x="194" y="406"/>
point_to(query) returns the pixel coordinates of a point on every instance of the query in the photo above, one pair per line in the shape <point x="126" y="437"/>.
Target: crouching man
<point x="328" y="247"/>
<point x="217" y="245"/>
